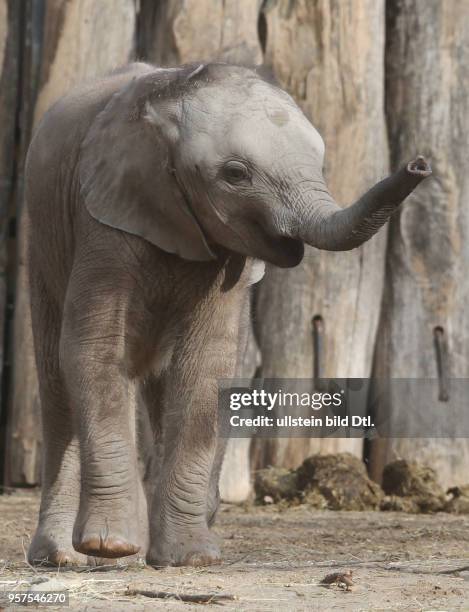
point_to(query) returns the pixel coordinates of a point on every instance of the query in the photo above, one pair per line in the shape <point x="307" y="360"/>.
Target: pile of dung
<point x="411" y="487"/>
<point x="340" y="482"/>
<point x="336" y="482"/>
<point x="274" y="484"/>
<point x="341" y="479"/>
<point x="459" y="500"/>
<point x="394" y="503"/>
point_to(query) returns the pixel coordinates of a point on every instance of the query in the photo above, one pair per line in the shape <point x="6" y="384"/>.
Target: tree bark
<point x="181" y="31"/>
<point x="329" y="56"/>
<point x="10" y="26"/>
<point x="427" y="287"/>
<point x="70" y="42"/>
<point x="23" y="447"/>
<point x="235" y="479"/>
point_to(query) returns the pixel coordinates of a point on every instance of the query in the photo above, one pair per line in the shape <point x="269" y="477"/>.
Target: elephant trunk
<point x="341" y="229"/>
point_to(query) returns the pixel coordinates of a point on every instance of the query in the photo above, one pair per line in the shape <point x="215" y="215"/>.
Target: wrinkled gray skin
<point x="150" y="193"/>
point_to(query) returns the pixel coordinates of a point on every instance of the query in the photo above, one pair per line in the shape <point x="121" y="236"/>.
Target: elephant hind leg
<point x="52" y="542"/>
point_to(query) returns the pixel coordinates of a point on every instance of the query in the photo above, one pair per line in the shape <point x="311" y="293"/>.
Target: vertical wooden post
<point x="424" y="331"/>
<point x="75" y="40"/>
<point x="10" y="41"/>
<point x="235" y="479"/>
<point x="23" y="448"/>
<point x="176" y="32"/>
<point x="329" y="55"/>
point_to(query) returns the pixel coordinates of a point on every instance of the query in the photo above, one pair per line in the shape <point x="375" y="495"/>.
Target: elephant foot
<point x="100" y="536"/>
<point x="194" y="549"/>
<point x="109" y="529"/>
<point x="109" y="547"/>
<point x="46" y="550"/>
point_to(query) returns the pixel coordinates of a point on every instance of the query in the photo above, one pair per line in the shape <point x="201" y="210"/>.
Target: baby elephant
<point x="151" y="194"/>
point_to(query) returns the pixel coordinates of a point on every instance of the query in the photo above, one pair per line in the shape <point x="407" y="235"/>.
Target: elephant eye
<point x="235" y="172"/>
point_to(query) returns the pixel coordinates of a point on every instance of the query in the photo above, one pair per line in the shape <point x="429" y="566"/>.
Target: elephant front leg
<point x="182" y="503"/>
<point x="111" y="519"/>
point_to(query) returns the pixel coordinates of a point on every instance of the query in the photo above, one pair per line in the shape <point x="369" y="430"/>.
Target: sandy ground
<point x="273" y="560"/>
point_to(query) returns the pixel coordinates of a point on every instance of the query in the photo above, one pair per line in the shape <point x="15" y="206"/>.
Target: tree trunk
<point x="70" y="42"/>
<point x="174" y="33"/>
<point x="329" y="56"/>
<point x="427" y="287"/>
<point x="181" y="31"/>
<point x="10" y="17"/>
<point x="23" y="448"/>
<point x="235" y="479"/>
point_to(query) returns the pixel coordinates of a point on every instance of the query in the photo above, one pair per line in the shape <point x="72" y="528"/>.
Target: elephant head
<point x="202" y="157"/>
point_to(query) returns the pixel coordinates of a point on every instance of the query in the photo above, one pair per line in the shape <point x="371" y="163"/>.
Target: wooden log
<point x="9" y="68"/>
<point x="329" y="56"/>
<point x="9" y="99"/>
<point x="174" y="33"/>
<point x="81" y="39"/>
<point x="427" y="283"/>
<point x="235" y="479"/>
<point x="23" y="444"/>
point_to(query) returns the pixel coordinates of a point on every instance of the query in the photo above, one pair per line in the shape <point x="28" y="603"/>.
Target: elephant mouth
<point x="281" y="251"/>
<point x="285" y="252"/>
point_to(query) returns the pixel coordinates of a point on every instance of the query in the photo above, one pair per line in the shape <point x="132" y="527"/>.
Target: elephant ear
<point x="126" y="175"/>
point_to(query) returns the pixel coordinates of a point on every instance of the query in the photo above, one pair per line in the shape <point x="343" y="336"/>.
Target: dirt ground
<point x="273" y="560"/>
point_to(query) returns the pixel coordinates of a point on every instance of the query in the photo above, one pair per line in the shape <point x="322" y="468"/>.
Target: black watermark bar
<point x="339" y="407"/>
